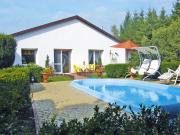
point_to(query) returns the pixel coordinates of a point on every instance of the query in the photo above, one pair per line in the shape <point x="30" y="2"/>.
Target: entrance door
<point x="62" y="61"/>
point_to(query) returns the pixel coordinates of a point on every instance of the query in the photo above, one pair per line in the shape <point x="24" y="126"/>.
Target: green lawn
<point x="59" y="78"/>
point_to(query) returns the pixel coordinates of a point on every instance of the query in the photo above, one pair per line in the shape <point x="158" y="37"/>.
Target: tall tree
<point x="125" y="29"/>
<point x="151" y="23"/>
<point x="162" y="15"/>
<point x="151" y="29"/>
<point x="176" y="10"/>
<point x="115" y="31"/>
<point x="168" y="41"/>
<point x="141" y="14"/>
<point x="127" y="19"/>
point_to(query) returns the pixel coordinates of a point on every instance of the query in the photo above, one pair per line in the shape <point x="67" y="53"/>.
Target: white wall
<point x="73" y="35"/>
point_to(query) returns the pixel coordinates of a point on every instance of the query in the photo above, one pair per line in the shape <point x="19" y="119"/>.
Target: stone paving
<point x="62" y="100"/>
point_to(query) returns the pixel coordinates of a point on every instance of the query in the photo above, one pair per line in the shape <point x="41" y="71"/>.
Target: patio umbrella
<point x="126" y="45"/>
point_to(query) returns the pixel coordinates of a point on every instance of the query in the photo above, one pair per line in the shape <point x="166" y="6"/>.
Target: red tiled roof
<point x="127" y="45"/>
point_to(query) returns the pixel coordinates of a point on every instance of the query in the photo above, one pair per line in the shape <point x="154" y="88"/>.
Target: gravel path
<point x="62" y="100"/>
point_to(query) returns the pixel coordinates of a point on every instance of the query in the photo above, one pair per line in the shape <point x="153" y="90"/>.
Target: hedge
<point x="172" y="65"/>
<point x="114" y="121"/>
<point x="121" y="70"/>
<point x="31" y="68"/>
<point x="14" y="98"/>
<point x="116" y="70"/>
<point x="7" y="50"/>
<point x="36" y="71"/>
<point x="15" y="101"/>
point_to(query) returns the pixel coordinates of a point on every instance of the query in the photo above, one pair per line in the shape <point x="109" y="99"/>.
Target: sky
<point x="17" y="15"/>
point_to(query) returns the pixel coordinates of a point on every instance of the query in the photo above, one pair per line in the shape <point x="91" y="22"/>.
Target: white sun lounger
<point x="170" y="74"/>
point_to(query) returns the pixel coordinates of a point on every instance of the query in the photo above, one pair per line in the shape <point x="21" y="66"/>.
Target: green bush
<point x="172" y="65"/>
<point x="14" y="99"/>
<point x="30" y="68"/>
<point x="7" y="50"/>
<point x="114" y="121"/>
<point x="36" y="71"/>
<point x="116" y="70"/>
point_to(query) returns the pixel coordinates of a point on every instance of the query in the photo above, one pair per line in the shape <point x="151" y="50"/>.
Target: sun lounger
<point x="170" y="74"/>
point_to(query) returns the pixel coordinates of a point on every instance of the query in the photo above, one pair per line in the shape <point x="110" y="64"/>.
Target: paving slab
<point x="62" y="100"/>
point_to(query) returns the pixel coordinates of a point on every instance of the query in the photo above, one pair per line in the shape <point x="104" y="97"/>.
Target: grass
<point x="96" y="76"/>
<point x="59" y="78"/>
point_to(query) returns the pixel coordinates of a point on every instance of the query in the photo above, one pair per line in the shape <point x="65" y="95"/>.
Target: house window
<point x="95" y="56"/>
<point x="28" y="56"/>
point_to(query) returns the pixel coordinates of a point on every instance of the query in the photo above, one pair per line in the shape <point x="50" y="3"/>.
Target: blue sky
<point x="16" y="15"/>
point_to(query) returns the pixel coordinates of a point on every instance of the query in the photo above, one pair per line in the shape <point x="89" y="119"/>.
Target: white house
<point x="69" y="41"/>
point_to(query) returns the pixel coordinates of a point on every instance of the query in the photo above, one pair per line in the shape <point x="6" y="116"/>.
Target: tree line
<point x="150" y="28"/>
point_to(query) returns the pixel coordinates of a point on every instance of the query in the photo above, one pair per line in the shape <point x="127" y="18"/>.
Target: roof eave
<point x="63" y="21"/>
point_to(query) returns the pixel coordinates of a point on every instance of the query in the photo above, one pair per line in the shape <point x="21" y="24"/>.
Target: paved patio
<point x="62" y="100"/>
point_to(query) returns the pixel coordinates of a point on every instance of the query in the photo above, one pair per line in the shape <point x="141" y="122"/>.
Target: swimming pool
<point x="131" y="92"/>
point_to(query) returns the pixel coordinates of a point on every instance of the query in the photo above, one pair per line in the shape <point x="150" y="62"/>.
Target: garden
<point x="16" y="112"/>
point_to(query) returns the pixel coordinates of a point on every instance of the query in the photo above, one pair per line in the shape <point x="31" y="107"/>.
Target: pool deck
<point x="62" y="100"/>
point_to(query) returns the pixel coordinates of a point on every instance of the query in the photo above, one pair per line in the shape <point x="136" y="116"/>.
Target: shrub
<point x="14" y="99"/>
<point x="172" y="65"/>
<point x="7" y="50"/>
<point x="116" y="70"/>
<point x="114" y="121"/>
<point x="36" y="71"/>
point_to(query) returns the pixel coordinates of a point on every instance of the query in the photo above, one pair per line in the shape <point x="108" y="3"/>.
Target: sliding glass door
<point x="62" y="61"/>
<point x="57" y="61"/>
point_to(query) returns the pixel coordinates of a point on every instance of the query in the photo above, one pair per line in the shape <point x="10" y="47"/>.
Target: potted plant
<point x="48" y="70"/>
<point x="99" y="68"/>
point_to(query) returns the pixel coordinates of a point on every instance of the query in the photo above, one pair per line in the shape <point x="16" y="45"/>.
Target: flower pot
<point x="45" y="77"/>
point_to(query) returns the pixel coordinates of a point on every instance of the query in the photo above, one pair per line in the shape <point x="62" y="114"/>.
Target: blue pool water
<point x="131" y="92"/>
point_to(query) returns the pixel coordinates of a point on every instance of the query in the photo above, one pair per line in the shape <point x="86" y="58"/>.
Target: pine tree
<point x="162" y="15"/>
<point x="176" y="10"/>
<point x="151" y="29"/>
<point x="163" y="19"/>
<point x="125" y="28"/>
<point x="141" y="14"/>
<point x="127" y="19"/>
<point x="115" y="31"/>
